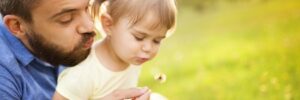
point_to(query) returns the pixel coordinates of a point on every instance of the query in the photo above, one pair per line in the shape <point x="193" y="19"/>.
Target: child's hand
<point x="145" y="96"/>
<point x="138" y="93"/>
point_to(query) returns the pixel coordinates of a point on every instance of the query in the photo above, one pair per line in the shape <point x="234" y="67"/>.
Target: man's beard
<point x="54" y="54"/>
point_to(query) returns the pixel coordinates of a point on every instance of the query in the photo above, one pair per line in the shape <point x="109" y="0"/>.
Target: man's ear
<point x="107" y="23"/>
<point x="15" y="25"/>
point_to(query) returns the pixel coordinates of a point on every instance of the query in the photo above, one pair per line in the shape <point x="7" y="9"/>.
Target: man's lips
<point x="89" y="43"/>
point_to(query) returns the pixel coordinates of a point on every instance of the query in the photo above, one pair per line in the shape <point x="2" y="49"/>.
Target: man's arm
<point x="8" y="85"/>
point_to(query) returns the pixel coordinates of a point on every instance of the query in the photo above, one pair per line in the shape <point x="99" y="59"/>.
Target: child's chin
<point x="137" y="63"/>
<point x="140" y="62"/>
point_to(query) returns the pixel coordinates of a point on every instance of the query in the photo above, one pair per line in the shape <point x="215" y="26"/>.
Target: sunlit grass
<point x="235" y="51"/>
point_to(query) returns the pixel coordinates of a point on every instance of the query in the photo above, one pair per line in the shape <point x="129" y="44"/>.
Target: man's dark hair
<point x="21" y="8"/>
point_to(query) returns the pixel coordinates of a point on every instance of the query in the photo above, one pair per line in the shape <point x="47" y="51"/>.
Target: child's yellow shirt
<point x="91" y="80"/>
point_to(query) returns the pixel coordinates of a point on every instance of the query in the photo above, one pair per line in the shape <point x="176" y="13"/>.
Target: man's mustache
<point x="87" y="36"/>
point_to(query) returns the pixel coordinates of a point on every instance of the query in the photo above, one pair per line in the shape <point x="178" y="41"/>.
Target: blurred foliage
<point x="230" y="50"/>
<point x="205" y="4"/>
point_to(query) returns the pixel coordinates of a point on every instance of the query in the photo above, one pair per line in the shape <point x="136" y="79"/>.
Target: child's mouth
<point x="142" y="60"/>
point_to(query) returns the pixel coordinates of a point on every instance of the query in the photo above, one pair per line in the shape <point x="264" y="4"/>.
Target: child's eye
<point x="138" y="38"/>
<point x="157" y="41"/>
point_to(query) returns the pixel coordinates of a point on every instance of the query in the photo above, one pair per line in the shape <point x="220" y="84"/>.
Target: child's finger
<point x="146" y="96"/>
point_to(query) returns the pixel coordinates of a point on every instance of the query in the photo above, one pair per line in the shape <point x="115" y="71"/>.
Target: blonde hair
<point x="135" y="10"/>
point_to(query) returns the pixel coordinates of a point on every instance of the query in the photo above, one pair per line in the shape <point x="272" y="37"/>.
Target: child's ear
<point x="15" y="25"/>
<point x="107" y="23"/>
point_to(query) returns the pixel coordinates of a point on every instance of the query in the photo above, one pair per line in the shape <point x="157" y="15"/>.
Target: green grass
<point x="242" y="51"/>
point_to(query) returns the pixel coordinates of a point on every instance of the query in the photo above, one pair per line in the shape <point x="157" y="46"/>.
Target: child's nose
<point x="147" y="47"/>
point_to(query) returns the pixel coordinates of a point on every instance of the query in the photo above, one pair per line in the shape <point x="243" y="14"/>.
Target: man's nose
<point x="86" y="25"/>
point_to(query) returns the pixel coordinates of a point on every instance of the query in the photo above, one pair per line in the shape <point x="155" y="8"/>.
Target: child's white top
<point x="91" y="80"/>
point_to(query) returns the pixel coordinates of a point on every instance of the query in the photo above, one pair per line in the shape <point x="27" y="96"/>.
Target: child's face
<point x="138" y="43"/>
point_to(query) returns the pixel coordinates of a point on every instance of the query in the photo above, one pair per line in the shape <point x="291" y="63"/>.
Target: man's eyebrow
<point x="66" y="10"/>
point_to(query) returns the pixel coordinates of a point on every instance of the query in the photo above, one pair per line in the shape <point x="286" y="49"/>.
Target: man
<point x="36" y="38"/>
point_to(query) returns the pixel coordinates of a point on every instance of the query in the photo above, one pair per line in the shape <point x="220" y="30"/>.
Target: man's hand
<point x="132" y="93"/>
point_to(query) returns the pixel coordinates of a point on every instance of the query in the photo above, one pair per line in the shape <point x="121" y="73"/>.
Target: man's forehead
<point x="51" y="7"/>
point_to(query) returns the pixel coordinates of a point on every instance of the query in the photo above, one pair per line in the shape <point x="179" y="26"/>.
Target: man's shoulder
<point x="9" y="66"/>
<point x="6" y="54"/>
<point x="7" y="58"/>
<point x="10" y="87"/>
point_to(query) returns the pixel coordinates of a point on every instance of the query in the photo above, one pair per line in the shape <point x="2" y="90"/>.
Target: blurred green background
<point x="230" y="50"/>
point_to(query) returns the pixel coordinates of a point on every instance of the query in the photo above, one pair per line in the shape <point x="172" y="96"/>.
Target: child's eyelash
<point x="137" y="38"/>
<point x="157" y="41"/>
